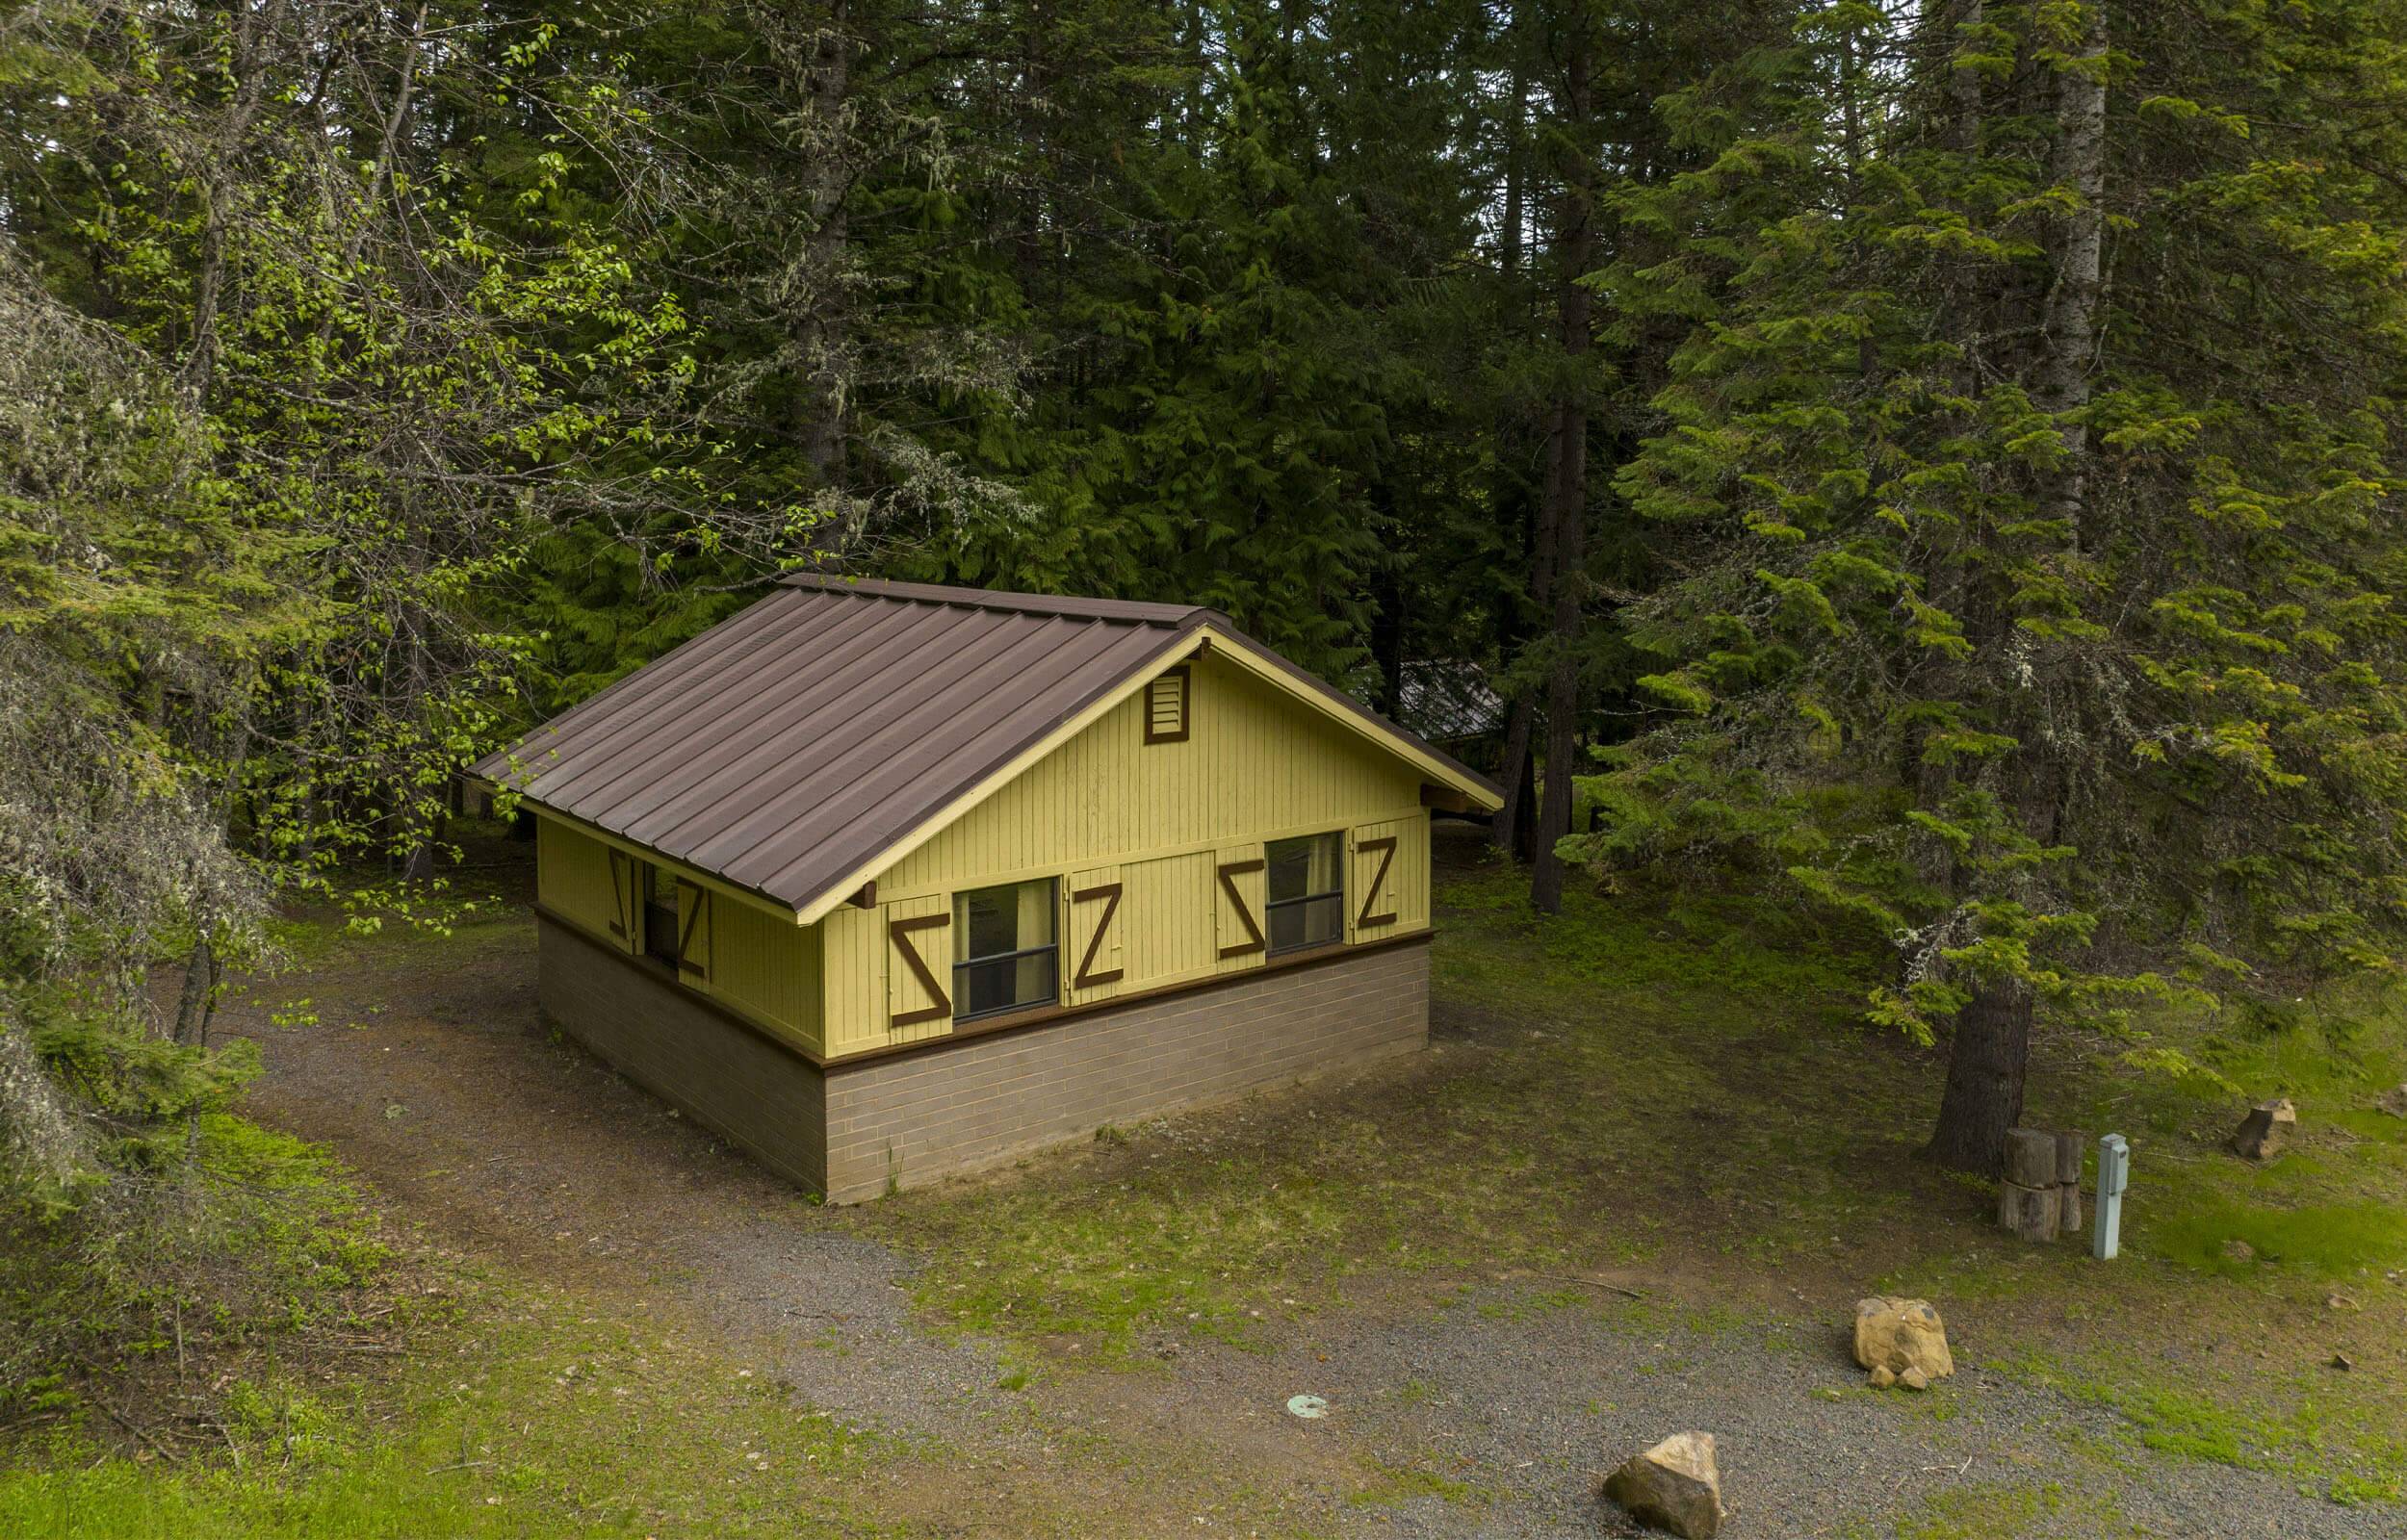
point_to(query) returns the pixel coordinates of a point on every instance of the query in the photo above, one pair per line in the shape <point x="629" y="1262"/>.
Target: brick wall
<point x="913" y="1118"/>
<point x="726" y="1075"/>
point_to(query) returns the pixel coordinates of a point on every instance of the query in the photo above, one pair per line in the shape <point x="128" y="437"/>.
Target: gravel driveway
<point x="1487" y="1411"/>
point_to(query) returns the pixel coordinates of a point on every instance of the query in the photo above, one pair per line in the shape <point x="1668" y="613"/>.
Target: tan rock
<point x="1914" y="1379"/>
<point x="2266" y="1130"/>
<point x="1675" y="1486"/>
<point x="1899" y="1334"/>
<point x="1882" y="1376"/>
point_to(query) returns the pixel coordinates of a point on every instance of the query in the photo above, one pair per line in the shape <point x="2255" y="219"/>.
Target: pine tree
<point x="2039" y="600"/>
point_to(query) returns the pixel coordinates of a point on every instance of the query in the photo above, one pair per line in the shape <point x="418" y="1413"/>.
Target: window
<point x="1166" y="707"/>
<point x="660" y="915"/>
<point x="1003" y="953"/>
<point x="1307" y="891"/>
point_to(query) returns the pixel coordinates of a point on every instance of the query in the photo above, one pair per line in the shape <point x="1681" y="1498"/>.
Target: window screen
<point x="659" y="914"/>
<point x="1307" y="891"/>
<point x="1004" y="955"/>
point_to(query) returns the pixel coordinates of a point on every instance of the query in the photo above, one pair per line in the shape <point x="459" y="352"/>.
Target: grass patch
<point x="2299" y="1427"/>
<point x="1599" y="1056"/>
<point x="1394" y="1484"/>
<point x="526" y="1421"/>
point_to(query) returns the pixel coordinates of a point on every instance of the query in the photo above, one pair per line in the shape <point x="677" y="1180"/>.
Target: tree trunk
<point x="1985" y="1069"/>
<point x="1991" y="1053"/>
<point x="1567" y="489"/>
<point x="192" y="1003"/>
<point x="2077" y="246"/>
<point x="822" y="330"/>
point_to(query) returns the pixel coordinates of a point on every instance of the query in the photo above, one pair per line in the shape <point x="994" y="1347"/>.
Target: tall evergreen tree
<point x="2039" y="600"/>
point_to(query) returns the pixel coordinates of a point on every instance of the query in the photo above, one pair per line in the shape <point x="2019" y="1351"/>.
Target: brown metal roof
<point x="786" y="748"/>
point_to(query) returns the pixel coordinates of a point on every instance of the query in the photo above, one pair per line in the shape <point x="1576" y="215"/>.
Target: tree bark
<point x="1990" y="1056"/>
<point x="822" y="329"/>
<point x="218" y="181"/>
<point x="2077" y="246"/>
<point x="193" y="1002"/>
<point x="1986" y="1065"/>
<point x="1567" y="489"/>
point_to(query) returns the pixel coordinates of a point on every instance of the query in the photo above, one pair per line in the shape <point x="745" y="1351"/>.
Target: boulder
<point x="1882" y="1376"/>
<point x="1675" y="1486"/>
<point x="1900" y="1334"/>
<point x="2266" y="1130"/>
<point x="1914" y="1379"/>
<point x="2393" y="1101"/>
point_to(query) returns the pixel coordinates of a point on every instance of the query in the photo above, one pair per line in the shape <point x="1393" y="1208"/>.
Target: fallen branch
<point x="1592" y="1283"/>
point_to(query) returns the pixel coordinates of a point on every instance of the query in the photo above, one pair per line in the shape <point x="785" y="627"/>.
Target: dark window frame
<point x="962" y="988"/>
<point x="1333" y="899"/>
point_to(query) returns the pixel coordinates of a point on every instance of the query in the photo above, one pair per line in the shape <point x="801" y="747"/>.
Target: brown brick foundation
<point x="854" y="1130"/>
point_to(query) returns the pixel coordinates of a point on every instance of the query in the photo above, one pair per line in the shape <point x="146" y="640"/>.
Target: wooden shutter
<point x="693" y="934"/>
<point x="1239" y="883"/>
<point x="919" y="965"/>
<point x="626" y="879"/>
<point x="1374" y="880"/>
<point x="1094" y="920"/>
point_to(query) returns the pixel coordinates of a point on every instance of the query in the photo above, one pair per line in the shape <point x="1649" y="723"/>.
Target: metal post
<point x="2114" y="1173"/>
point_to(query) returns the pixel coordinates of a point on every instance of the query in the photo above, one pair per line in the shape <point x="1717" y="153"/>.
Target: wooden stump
<point x="2068" y="1143"/>
<point x="2027" y="1198"/>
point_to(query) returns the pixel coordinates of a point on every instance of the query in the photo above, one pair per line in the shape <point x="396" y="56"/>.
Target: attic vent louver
<point x="1166" y="707"/>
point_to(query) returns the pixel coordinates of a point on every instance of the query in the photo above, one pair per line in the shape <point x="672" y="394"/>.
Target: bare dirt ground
<point x="1458" y="1406"/>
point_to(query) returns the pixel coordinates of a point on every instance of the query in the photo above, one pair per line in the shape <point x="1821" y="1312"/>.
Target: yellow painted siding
<point x="1159" y="818"/>
<point x="1257" y="764"/>
<point x="573" y="877"/>
<point x="769" y="970"/>
<point x="1168" y="915"/>
<point x="853" y="958"/>
<point x="764" y="969"/>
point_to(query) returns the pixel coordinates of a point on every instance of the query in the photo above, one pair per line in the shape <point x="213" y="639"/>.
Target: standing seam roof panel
<point x="872" y="708"/>
<point x="865" y="818"/>
<point x="614" y="743"/>
<point x="727" y="748"/>
<point x="784" y="745"/>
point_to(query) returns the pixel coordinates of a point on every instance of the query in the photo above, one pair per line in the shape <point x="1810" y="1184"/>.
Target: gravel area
<point x="1487" y="1413"/>
<point x="1529" y="1404"/>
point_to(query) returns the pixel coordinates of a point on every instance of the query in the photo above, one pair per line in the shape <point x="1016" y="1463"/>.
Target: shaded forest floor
<point x="1635" y="1187"/>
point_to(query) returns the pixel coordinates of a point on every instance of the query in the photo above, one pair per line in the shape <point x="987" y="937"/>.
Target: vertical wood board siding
<point x="1255" y="764"/>
<point x="573" y="875"/>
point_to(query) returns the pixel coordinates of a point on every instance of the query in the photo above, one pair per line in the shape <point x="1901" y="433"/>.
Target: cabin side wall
<point x="1178" y="828"/>
<point x="734" y="1080"/>
<point x="754" y="965"/>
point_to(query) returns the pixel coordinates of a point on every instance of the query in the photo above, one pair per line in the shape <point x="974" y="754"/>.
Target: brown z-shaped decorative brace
<point x="899" y="932"/>
<point x="1086" y="978"/>
<point x="1228" y="875"/>
<point x="1386" y="845"/>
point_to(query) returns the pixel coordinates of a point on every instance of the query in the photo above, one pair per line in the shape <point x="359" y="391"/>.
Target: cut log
<point x="2030" y="1157"/>
<point x="2029" y="1211"/>
<point x="2068" y="1145"/>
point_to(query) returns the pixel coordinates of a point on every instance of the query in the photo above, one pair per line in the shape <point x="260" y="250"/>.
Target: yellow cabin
<point x="887" y="880"/>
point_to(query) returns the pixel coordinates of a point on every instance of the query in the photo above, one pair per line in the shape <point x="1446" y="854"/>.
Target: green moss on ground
<point x="525" y="1419"/>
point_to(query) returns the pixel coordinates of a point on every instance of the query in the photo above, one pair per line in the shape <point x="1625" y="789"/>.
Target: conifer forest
<point x="1907" y="498"/>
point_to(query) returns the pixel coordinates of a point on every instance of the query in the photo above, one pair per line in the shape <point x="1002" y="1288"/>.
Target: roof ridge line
<point x="1128" y="611"/>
